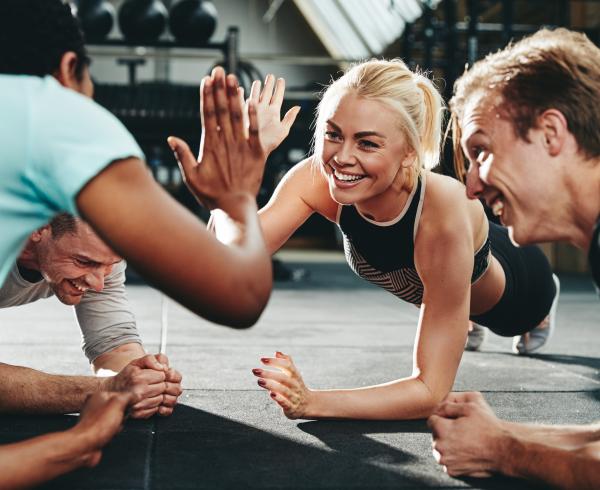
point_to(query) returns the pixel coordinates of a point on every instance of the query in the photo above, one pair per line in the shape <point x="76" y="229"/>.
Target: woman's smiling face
<point x="364" y="149"/>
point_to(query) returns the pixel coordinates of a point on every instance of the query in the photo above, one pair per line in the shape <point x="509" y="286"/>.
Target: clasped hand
<point x="285" y="386"/>
<point x="155" y="385"/>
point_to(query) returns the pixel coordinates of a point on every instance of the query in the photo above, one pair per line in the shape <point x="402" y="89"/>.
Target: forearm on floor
<point x="114" y="360"/>
<point x="31" y="462"/>
<point x="402" y="399"/>
<point x="564" y="436"/>
<point x="576" y="469"/>
<point x="24" y="390"/>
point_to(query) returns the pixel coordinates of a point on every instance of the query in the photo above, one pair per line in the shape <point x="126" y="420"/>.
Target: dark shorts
<point x="529" y="289"/>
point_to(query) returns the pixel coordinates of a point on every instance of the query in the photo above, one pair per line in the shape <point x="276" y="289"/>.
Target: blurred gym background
<point x="148" y="57"/>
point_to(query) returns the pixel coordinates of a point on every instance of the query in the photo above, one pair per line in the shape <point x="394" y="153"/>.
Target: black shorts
<point x="529" y="289"/>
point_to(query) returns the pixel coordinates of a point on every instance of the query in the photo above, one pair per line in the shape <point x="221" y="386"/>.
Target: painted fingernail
<point x="261" y="382"/>
<point x="273" y="394"/>
<point x="265" y="360"/>
<point x="257" y="372"/>
<point x="279" y="353"/>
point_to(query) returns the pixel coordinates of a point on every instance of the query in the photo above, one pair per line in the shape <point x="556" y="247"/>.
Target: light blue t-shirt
<point x="52" y="142"/>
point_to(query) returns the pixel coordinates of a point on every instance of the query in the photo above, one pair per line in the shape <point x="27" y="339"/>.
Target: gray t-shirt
<point x="104" y="317"/>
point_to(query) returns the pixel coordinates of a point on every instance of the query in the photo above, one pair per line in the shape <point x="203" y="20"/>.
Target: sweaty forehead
<point x="480" y="112"/>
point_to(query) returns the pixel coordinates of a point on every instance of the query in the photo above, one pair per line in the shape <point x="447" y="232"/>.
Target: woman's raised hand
<point x="285" y="385"/>
<point x="273" y="130"/>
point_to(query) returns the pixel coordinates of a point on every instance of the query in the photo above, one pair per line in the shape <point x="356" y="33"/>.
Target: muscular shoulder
<point x="446" y="203"/>
<point x="448" y="216"/>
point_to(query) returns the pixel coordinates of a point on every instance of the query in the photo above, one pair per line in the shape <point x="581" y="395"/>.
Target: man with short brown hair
<point x="68" y="260"/>
<point x="528" y="120"/>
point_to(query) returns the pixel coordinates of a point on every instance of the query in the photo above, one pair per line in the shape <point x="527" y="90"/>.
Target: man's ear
<point x="38" y="234"/>
<point x="555" y="130"/>
<point x="66" y="74"/>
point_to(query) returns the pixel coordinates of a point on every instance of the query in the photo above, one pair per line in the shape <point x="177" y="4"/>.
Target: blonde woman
<point x="410" y="231"/>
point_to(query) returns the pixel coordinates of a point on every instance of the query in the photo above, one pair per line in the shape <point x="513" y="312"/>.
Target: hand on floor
<point x="285" y="386"/>
<point x="101" y="418"/>
<point x="155" y="385"/>
<point x="468" y="439"/>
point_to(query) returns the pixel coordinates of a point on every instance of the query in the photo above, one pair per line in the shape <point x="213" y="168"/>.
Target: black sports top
<point x="383" y="252"/>
<point x="594" y="255"/>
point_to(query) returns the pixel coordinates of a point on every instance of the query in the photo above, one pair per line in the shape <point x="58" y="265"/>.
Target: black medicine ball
<point x="193" y="22"/>
<point x="142" y="21"/>
<point x="97" y="18"/>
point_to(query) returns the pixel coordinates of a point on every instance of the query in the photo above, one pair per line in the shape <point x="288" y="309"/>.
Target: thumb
<point x="451" y="410"/>
<point x="149" y="362"/>
<point x="290" y="117"/>
<point x="183" y="154"/>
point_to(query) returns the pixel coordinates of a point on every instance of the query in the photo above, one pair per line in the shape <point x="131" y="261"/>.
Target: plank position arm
<point x="442" y="325"/>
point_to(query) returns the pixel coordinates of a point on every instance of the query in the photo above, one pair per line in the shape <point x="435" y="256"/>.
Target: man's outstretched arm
<point x="25" y="390"/>
<point x="572" y="469"/>
<point x="469" y="440"/>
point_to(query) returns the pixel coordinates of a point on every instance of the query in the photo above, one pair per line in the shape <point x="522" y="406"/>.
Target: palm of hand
<point x="272" y="130"/>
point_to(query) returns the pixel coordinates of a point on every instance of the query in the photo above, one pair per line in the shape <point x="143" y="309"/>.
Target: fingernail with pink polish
<point x="261" y="382"/>
<point x="257" y="372"/>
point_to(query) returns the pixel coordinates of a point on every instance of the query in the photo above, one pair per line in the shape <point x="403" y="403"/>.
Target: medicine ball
<point x="193" y="22"/>
<point x="142" y="21"/>
<point x="97" y="18"/>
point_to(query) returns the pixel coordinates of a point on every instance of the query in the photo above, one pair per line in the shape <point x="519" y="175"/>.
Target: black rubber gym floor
<point x="342" y="332"/>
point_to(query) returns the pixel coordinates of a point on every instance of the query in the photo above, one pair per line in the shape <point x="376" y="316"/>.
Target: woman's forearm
<point x="31" y="462"/>
<point x="403" y="399"/>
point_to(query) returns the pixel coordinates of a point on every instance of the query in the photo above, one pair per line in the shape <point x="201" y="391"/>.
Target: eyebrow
<point x="360" y="134"/>
<point x="466" y="138"/>
<point x="83" y="258"/>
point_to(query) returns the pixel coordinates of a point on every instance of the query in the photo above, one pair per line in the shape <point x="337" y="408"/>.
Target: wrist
<point x="311" y="407"/>
<point x="75" y="447"/>
<point x="106" y="383"/>
<point x="232" y="202"/>
<point x="509" y="449"/>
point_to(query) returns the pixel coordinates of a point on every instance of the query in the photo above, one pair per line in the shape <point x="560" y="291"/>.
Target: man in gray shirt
<point x="68" y="260"/>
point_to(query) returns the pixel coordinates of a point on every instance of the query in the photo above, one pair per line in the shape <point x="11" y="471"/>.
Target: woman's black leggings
<point x="529" y="289"/>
